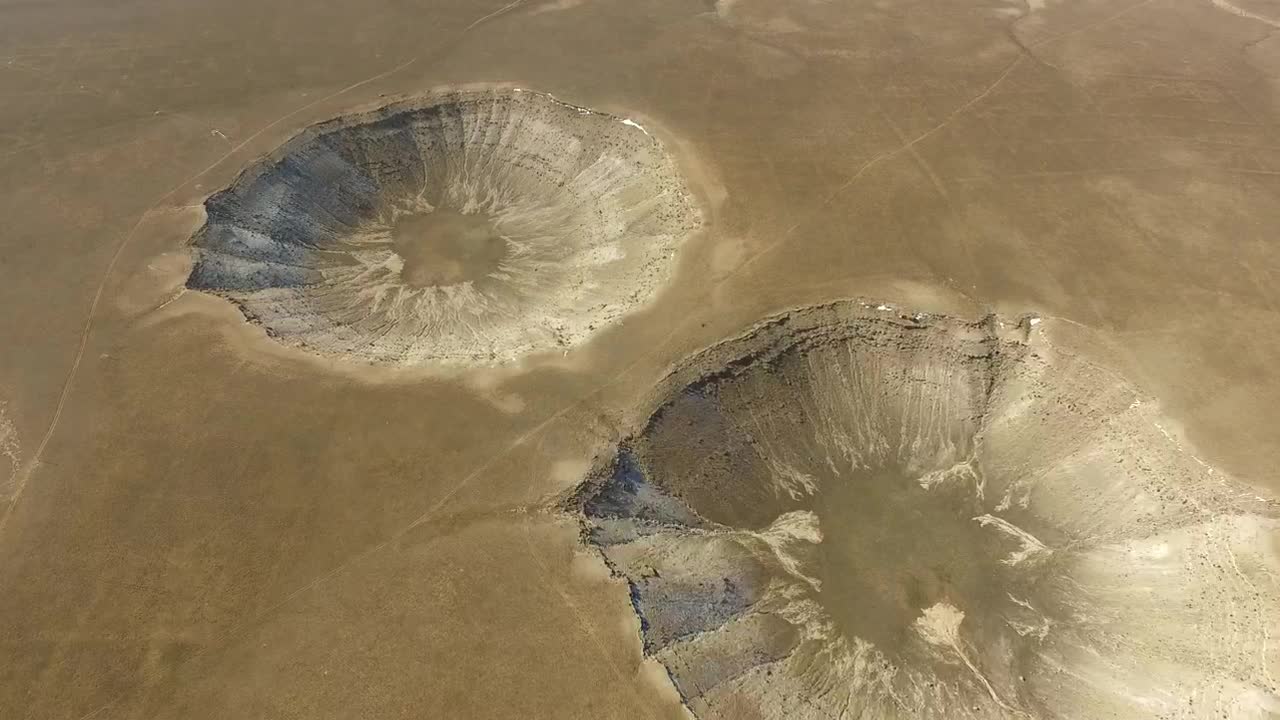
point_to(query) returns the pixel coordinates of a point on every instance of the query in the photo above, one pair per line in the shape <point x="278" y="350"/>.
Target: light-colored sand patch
<point x="10" y="453"/>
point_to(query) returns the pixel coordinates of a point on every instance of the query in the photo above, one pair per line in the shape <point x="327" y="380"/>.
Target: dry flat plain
<point x="918" y="359"/>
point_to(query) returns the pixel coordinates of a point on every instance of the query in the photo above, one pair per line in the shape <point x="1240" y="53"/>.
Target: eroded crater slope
<point x="855" y="513"/>
<point x="472" y="227"/>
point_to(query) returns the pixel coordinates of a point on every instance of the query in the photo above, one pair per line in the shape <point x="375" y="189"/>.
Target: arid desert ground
<point x="803" y="358"/>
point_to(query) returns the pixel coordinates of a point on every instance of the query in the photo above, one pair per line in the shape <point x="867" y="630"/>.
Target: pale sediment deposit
<point x="470" y="227"/>
<point x="10" y="455"/>
<point x="852" y="512"/>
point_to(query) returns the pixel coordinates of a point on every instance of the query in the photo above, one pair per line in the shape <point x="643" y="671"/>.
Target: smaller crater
<point x="469" y="227"/>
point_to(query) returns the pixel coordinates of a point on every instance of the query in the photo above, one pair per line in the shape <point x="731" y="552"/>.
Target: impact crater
<point x="854" y="512"/>
<point x="469" y="227"/>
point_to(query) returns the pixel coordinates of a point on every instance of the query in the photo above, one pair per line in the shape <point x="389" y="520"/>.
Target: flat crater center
<point x="446" y="247"/>
<point x="892" y="548"/>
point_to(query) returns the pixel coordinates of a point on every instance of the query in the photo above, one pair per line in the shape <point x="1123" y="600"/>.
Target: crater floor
<point x="851" y="512"/>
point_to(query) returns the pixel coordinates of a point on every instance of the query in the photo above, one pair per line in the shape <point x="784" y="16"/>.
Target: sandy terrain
<point x="201" y="521"/>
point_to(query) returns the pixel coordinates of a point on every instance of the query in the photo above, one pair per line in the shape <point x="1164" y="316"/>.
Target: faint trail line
<point x="500" y="11"/>
<point x="925" y="167"/>
<point x="33" y="463"/>
<point x="286" y="116"/>
<point x="1056" y="174"/>
<point x="876" y="160"/>
<point x="1241" y="12"/>
<point x="1090" y="25"/>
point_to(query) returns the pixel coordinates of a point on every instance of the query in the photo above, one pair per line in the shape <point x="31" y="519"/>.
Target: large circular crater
<point x="851" y="512"/>
<point x="470" y="227"/>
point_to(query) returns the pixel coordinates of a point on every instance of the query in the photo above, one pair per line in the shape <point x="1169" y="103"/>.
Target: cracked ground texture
<point x="200" y="523"/>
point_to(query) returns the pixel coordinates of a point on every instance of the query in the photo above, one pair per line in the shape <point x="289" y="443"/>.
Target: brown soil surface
<point x="205" y="523"/>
